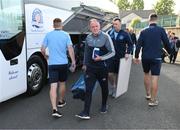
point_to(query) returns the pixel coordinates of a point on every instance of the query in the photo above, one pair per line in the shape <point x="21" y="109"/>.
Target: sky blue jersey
<point x="57" y="42"/>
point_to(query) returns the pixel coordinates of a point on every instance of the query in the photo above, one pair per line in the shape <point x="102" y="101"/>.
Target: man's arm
<point x="110" y="47"/>
<point x="71" y="54"/>
<point x="44" y="46"/>
<point x="71" y="51"/>
<point x="135" y="39"/>
<point x="85" y="53"/>
<point x="139" y="45"/>
<point x="129" y="44"/>
<point x="43" y="50"/>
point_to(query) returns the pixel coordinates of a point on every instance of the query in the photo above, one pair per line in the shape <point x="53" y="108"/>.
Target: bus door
<point x="12" y="49"/>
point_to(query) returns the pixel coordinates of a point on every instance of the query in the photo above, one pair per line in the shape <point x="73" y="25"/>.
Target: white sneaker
<point x="56" y="114"/>
<point x="110" y="91"/>
<point x="82" y="115"/>
<point x="148" y="97"/>
<point x="114" y="93"/>
<point x="110" y="88"/>
<point x="153" y="103"/>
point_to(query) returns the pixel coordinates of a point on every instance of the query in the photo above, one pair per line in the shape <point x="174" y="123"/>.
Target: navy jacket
<point x="150" y="40"/>
<point x="122" y="43"/>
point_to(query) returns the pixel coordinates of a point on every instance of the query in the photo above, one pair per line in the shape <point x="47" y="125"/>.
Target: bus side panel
<point x="39" y="21"/>
<point x="13" y="79"/>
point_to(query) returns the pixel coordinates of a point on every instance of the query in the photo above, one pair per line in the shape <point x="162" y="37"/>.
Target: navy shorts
<point x="113" y="66"/>
<point x="57" y="73"/>
<point x="152" y="65"/>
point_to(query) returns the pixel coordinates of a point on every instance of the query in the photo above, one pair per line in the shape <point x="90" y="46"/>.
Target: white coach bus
<point x="23" y="25"/>
<point x="22" y="28"/>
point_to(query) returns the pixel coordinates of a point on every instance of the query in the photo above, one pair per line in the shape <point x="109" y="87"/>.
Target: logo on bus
<point x="37" y="20"/>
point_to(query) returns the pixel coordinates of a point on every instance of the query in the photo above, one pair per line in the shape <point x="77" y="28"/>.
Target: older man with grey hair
<point x="98" y="48"/>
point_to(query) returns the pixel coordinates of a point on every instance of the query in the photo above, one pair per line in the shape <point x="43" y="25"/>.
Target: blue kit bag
<point x="79" y="88"/>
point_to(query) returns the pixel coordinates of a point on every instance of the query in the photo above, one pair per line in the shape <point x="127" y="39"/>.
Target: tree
<point x="135" y="21"/>
<point x="123" y="4"/>
<point x="164" y="7"/>
<point x="137" y="5"/>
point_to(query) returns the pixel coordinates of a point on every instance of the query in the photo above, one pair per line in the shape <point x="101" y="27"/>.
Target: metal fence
<point x="164" y="21"/>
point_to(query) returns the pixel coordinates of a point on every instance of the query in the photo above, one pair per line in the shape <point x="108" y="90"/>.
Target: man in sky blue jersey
<point x="150" y="40"/>
<point x="58" y="42"/>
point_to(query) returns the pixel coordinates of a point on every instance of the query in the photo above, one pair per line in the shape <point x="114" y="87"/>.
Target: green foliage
<point x="134" y="22"/>
<point x="137" y="5"/>
<point x="123" y="4"/>
<point x="164" y="7"/>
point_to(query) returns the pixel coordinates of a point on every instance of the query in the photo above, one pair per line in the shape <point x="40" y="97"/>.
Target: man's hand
<point x="72" y="67"/>
<point x="46" y="57"/>
<point x="43" y="51"/>
<point x="136" y="61"/>
<point x="84" y="68"/>
<point x="98" y="58"/>
<point x="126" y="56"/>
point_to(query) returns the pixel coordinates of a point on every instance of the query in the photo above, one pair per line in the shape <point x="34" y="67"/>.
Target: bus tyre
<point x="36" y="75"/>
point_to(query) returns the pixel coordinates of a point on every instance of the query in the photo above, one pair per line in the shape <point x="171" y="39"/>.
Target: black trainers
<point x="61" y="104"/>
<point x="82" y="115"/>
<point x="104" y="109"/>
<point x="56" y="114"/>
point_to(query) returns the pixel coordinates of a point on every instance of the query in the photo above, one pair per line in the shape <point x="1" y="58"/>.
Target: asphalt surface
<point x="130" y="111"/>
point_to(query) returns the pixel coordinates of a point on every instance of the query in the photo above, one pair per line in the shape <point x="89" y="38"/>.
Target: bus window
<point x="12" y="28"/>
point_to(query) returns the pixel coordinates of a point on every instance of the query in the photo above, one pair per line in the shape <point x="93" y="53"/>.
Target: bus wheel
<point x="36" y="74"/>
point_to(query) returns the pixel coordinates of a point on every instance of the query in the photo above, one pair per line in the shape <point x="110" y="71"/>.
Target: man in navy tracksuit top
<point x="98" y="48"/>
<point x="150" y="40"/>
<point x="123" y="47"/>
